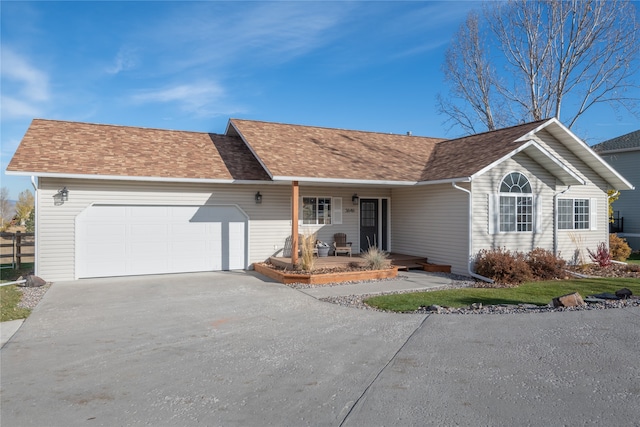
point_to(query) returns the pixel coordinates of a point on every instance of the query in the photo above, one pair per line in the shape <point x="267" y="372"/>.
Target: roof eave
<point x="132" y="178"/>
<point x="584" y="153"/>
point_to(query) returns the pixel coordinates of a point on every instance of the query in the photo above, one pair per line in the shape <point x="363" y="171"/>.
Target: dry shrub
<point x="545" y="265"/>
<point x="503" y="266"/>
<point x="375" y="258"/>
<point x="619" y="248"/>
<point x="307" y="244"/>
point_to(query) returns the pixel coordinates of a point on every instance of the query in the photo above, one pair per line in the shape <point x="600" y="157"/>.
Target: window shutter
<point x="494" y="214"/>
<point x="537" y="212"/>
<point x="593" y="214"/>
<point x="336" y="216"/>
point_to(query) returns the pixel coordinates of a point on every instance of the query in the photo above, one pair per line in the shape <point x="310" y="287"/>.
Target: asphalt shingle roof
<point x="315" y="152"/>
<point x="71" y="148"/>
<point x="623" y="142"/>
<point x="52" y="146"/>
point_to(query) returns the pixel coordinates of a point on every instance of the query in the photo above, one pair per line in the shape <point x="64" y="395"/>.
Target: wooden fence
<point x="16" y="248"/>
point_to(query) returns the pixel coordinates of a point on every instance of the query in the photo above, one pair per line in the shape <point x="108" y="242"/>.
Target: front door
<point x="373" y="223"/>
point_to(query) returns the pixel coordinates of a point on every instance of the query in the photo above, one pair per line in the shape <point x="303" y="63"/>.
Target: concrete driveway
<point x="219" y="349"/>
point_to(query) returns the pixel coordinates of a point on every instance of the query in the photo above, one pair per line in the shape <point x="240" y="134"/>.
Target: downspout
<point x="470" y="238"/>
<point x="35" y="225"/>
<point x="555" y="219"/>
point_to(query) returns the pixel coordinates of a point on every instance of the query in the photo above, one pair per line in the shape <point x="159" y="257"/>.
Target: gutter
<point x="555" y="219"/>
<point x="470" y="239"/>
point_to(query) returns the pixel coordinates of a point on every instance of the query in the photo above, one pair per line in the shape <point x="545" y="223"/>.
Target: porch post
<point x="294" y="222"/>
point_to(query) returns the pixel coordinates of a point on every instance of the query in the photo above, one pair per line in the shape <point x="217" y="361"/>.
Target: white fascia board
<point x="343" y="181"/>
<point x="581" y="145"/>
<point x="230" y="124"/>
<point x="127" y="178"/>
<point x="446" y="181"/>
<point x="546" y="153"/>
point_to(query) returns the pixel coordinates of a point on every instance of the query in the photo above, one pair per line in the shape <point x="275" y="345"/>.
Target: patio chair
<point x="340" y="244"/>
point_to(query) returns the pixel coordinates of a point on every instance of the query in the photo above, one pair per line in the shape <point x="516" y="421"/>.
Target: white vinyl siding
<point x="269" y="222"/>
<point x="594" y="190"/>
<point x="535" y="225"/>
<point x="432" y="221"/>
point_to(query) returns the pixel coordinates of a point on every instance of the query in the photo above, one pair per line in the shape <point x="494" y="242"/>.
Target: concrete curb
<point x="8" y="329"/>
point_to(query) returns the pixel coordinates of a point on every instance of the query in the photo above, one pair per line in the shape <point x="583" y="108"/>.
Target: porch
<point x="401" y="261"/>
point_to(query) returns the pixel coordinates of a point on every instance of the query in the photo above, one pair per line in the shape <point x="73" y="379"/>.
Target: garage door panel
<point x="130" y="240"/>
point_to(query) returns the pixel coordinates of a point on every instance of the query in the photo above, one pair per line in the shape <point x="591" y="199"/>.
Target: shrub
<point x="545" y="264"/>
<point x="375" y="258"/>
<point x="307" y="244"/>
<point x="503" y="266"/>
<point x="618" y="247"/>
<point x="601" y="256"/>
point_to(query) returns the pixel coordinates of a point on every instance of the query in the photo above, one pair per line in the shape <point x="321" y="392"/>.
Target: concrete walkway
<point x="413" y="280"/>
<point x="7" y="329"/>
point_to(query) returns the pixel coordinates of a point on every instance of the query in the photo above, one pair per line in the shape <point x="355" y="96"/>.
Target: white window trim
<point x="494" y="208"/>
<point x="336" y="211"/>
<point x="592" y="217"/>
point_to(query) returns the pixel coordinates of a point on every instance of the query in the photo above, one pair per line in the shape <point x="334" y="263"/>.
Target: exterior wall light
<point x="63" y="194"/>
<point x="258" y="198"/>
<point x="354" y="199"/>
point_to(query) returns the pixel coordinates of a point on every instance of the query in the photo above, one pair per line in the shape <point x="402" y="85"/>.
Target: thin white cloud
<point x="31" y="82"/>
<point x="266" y="33"/>
<point x="126" y="59"/>
<point x="14" y="108"/>
<point x="202" y="98"/>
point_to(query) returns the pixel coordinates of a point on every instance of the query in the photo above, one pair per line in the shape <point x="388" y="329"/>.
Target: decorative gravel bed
<point x="32" y="296"/>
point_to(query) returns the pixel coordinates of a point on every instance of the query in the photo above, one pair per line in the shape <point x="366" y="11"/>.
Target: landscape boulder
<point x="569" y="300"/>
<point x="33" y="281"/>
<point x="624" y="293"/>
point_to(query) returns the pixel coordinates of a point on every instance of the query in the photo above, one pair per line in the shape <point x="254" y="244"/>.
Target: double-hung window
<point x="574" y="214"/>
<point x="516" y="204"/>
<point x="316" y="210"/>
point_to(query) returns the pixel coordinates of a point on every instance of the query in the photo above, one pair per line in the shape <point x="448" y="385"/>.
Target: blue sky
<point x="192" y="65"/>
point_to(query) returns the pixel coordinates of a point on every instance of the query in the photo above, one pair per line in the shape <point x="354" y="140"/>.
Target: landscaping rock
<point x="606" y="295"/>
<point x="32" y="281"/>
<point x="569" y="300"/>
<point x="623" y="293"/>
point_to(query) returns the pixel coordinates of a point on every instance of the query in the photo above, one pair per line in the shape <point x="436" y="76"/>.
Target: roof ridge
<point x="127" y="126"/>
<point x="333" y="128"/>
<point x="502" y="129"/>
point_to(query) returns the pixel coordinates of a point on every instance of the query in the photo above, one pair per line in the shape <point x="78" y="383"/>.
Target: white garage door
<point x="117" y="240"/>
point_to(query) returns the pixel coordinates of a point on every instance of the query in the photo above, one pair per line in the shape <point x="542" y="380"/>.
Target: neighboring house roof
<point x="627" y="142"/>
<point x="60" y="148"/>
<point x="306" y="153"/>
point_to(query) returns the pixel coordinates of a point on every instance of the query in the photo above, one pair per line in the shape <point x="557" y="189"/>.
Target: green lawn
<point x="10" y="295"/>
<point x="539" y="293"/>
<point x="9" y="299"/>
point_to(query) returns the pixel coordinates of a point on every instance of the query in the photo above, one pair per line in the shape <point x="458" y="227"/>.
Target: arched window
<point x="516" y="203"/>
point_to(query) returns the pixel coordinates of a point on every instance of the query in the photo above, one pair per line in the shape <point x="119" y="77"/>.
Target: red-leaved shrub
<point x="601" y="256"/>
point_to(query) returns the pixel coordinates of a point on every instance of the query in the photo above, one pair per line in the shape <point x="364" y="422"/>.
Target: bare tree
<point x="556" y="59"/>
